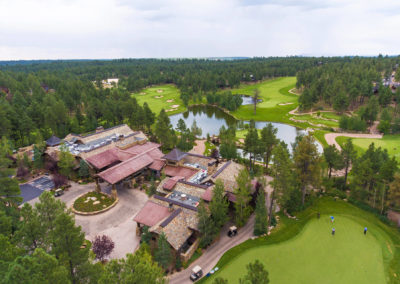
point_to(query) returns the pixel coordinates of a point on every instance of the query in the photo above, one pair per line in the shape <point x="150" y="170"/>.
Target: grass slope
<point x="304" y="251"/>
<point x="152" y="96"/>
<point x="273" y="93"/>
<point x="389" y="142"/>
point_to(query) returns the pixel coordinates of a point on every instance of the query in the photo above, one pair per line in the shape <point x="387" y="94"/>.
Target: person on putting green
<point x="333" y="231"/>
<point x="332" y="219"/>
<point x="365" y="230"/>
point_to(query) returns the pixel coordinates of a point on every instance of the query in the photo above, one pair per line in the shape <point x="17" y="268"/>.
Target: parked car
<point x="197" y="273"/>
<point x="58" y="192"/>
<point x="232" y="231"/>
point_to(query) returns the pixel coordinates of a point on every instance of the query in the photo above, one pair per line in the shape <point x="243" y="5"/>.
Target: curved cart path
<point x="199" y="148"/>
<point x="211" y="256"/>
<point x="331" y="137"/>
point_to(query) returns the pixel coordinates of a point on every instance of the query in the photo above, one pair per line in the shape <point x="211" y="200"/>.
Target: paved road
<point x="212" y="255"/>
<point x="117" y="223"/>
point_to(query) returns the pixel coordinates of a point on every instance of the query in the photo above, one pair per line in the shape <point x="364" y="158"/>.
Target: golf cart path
<point x="331" y="137"/>
<point x="211" y="256"/>
<point x="199" y="148"/>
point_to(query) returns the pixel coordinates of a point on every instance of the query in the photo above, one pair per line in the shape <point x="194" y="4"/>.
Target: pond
<point x="248" y="100"/>
<point x="211" y="119"/>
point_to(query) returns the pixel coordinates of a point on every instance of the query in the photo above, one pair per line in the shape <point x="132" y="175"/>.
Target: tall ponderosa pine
<point x="66" y="162"/>
<point x="307" y="164"/>
<point x="164" y="131"/>
<point x="268" y="141"/>
<point x="282" y="174"/>
<point x="349" y="154"/>
<point x="206" y="225"/>
<point x="252" y="145"/>
<point x="261" y="222"/>
<point x="243" y="197"/>
<point x="83" y="169"/>
<point x="149" y="116"/>
<point x="9" y="188"/>
<point x="163" y="253"/>
<point x="333" y="159"/>
<point x="219" y="205"/>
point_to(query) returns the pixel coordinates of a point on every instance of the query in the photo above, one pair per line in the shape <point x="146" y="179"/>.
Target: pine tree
<point x="307" y="163"/>
<point x="149" y="116"/>
<point x="268" y="141"/>
<point x="83" y="169"/>
<point x="164" y="131"/>
<point x="256" y="274"/>
<point x="66" y="162"/>
<point x="260" y="225"/>
<point x="206" y="225"/>
<point x="9" y="188"/>
<point x="242" y="194"/>
<point x="332" y="158"/>
<point x="163" y="252"/>
<point x="252" y="144"/>
<point x="349" y="154"/>
<point x="219" y="205"/>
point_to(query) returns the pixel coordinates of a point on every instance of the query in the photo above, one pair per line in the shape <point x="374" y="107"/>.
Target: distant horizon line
<point x="200" y="57"/>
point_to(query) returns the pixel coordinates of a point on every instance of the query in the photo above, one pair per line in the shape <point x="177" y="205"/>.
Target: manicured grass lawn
<point x="304" y="251"/>
<point x="316" y="120"/>
<point x="330" y="115"/>
<point x="273" y="93"/>
<point x="153" y="97"/>
<point x="81" y="205"/>
<point x="320" y="136"/>
<point x="389" y="142"/>
<point x="209" y="147"/>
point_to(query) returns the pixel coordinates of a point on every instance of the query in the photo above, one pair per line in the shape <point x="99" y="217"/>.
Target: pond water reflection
<point x="211" y="119"/>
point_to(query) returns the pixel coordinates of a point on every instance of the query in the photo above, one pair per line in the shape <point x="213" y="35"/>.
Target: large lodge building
<point x="122" y="157"/>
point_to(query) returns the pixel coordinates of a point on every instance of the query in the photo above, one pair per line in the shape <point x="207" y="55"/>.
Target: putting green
<point x="315" y="256"/>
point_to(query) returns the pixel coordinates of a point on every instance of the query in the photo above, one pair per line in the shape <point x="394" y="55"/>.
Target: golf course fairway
<point x="316" y="256"/>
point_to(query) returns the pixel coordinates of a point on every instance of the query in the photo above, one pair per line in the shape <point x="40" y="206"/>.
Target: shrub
<point x="59" y="180"/>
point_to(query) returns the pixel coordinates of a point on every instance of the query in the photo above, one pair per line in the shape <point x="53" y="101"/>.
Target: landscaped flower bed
<point x="93" y="201"/>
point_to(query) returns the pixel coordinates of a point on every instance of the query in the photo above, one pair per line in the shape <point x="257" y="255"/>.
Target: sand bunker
<point x="159" y="97"/>
<point x="160" y="91"/>
<point x="142" y="93"/>
<point x="175" y="106"/>
<point x="285" y="104"/>
<point x="170" y="101"/>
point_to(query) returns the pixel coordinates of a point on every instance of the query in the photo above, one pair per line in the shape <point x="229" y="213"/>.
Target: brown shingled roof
<point x="151" y="214"/>
<point x="104" y="159"/>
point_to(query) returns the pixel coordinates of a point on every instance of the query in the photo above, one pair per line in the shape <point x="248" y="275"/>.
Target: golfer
<point x="333" y="231"/>
<point x="365" y="230"/>
<point x="319" y="215"/>
<point x="332" y="219"/>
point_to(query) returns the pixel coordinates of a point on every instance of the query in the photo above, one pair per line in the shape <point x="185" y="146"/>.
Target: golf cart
<point x="196" y="273"/>
<point x="232" y="231"/>
<point x="58" y="192"/>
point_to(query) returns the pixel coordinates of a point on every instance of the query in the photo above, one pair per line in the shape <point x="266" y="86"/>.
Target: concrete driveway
<point x="117" y="223"/>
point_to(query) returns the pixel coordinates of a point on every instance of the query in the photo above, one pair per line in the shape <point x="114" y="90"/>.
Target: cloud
<point x="33" y="29"/>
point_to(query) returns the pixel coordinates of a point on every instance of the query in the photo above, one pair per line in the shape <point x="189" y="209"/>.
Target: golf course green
<point x="389" y="142"/>
<point x="305" y="251"/>
<point x="161" y="97"/>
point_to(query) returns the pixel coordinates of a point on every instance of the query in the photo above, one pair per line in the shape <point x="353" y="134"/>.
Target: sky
<point x="106" y="29"/>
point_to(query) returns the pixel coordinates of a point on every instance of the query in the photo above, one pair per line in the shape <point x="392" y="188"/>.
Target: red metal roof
<point x="126" y="168"/>
<point x="151" y="214"/>
<point x="180" y="171"/>
<point x="140" y="148"/>
<point x="104" y="159"/>
<point x="157" y="165"/>
<point x="169" y="184"/>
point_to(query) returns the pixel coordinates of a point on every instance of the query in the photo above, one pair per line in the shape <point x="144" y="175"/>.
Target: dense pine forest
<point x="41" y="98"/>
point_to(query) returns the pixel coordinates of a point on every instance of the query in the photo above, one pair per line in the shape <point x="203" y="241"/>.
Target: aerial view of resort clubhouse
<point x="215" y="142"/>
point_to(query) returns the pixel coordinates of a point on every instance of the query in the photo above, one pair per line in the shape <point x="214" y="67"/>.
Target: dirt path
<point x="199" y="148"/>
<point x="331" y="137"/>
